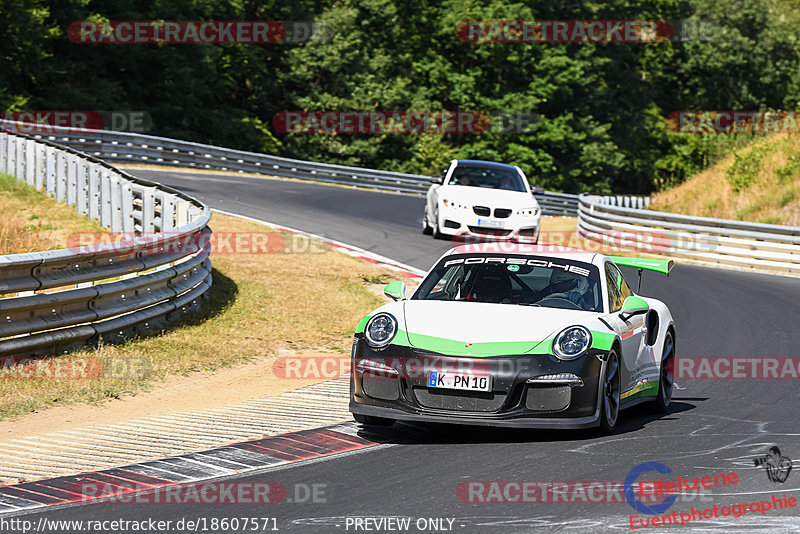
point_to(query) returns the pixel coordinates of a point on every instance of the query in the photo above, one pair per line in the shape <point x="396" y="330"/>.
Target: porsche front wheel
<point x="609" y="410"/>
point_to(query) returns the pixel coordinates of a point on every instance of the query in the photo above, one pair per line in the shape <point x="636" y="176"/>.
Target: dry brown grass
<point x="773" y="196"/>
<point x="261" y="303"/>
<point x="30" y="220"/>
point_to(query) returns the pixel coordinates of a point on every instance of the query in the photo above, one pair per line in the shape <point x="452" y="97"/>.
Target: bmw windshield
<point x="518" y="280"/>
<point x="491" y="177"/>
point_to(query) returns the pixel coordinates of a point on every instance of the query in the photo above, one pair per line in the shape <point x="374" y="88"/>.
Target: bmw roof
<point x="484" y="163"/>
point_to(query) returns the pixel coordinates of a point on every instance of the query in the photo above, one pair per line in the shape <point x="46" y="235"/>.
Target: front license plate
<point x="487" y="223"/>
<point x="464" y="381"/>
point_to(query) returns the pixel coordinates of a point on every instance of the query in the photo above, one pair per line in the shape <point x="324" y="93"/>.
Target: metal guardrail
<point x="137" y="149"/>
<point x="158" y="272"/>
<point x="711" y="241"/>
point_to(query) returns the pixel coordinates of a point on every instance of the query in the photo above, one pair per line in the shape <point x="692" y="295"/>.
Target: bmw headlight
<point x="528" y="212"/>
<point x="380" y="330"/>
<point x="572" y="343"/>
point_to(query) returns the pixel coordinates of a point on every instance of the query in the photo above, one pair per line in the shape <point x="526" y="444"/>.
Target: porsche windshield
<point x="519" y="280"/>
<point x="492" y="177"/>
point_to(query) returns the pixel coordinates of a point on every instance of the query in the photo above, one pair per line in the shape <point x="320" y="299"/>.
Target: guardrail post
<point x="82" y="184"/>
<point x="116" y="203"/>
<point x="30" y="162"/>
<point x="148" y="209"/>
<point x="41" y="168"/>
<point x="126" y="198"/>
<point x="61" y="176"/>
<point x="94" y="191"/>
<point x="181" y="213"/>
<point x="72" y="179"/>
<point x="19" y="158"/>
<point x="168" y="201"/>
<point x="11" y="162"/>
<point x="50" y="171"/>
<point x="105" y="198"/>
<point x="3" y="152"/>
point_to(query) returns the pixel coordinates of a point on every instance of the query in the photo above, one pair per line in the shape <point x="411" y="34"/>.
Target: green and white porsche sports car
<point x="517" y="336"/>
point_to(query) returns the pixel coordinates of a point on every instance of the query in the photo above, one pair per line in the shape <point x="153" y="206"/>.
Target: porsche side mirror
<point x="437" y="179"/>
<point x="395" y="290"/>
<point x="633" y="305"/>
<point x="536" y="190"/>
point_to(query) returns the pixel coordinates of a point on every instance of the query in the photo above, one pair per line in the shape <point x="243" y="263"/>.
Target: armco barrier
<point x="137" y="149"/>
<point x="101" y="292"/>
<point x="711" y="241"/>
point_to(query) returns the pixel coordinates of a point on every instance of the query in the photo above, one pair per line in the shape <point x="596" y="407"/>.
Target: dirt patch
<point x="197" y="391"/>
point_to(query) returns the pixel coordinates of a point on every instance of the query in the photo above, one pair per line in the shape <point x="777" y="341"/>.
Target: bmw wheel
<point x="426" y="228"/>
<point x="436" y="233"/>
<point x="666" y="376"/>
<point x="609" y="411"/>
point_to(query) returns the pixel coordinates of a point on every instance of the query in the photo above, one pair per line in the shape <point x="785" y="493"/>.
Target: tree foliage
<point x="597" y="110"/>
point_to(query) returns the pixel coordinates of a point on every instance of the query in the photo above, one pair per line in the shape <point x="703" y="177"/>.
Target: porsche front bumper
<point x="531" y="390"/>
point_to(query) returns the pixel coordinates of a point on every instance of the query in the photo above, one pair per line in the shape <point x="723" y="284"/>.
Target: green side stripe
<point x="602" y="340"/>
<point x="660" y="266"/>
<point x="362" y="324"/>
<point x="452" y="347"/>
<point x="400" y="339"/>
<point x="646" y="389"/>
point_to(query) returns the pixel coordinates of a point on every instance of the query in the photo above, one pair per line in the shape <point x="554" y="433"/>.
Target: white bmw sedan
<point x="484" y="199"/>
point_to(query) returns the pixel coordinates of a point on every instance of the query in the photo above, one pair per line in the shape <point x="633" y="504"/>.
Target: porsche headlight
<point x="572" y="343"/>
<point x="528" y="212"/>
<point x="380" y="330"/>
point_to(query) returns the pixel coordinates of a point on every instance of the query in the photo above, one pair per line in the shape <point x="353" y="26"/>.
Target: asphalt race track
<point x="713" y="427"/>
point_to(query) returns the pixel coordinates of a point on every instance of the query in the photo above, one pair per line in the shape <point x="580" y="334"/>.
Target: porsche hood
<point x="481" y="329"/>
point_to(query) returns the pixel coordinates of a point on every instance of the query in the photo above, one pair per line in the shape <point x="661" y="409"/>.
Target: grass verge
<point x="31" y="220"/>
<point x="760" y="184"/>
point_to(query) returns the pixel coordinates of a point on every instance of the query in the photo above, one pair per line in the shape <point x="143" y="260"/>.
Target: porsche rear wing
<point x="659" y="266"/>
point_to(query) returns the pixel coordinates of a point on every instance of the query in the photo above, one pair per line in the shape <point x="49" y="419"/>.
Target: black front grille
<point x="502" y="213"/>
<point x="547" y="398"/>
<point x="462" y="401"/>
<point x="483" y="211"/>
<point x="381" y="387"/>
<point x="488" y="231"/>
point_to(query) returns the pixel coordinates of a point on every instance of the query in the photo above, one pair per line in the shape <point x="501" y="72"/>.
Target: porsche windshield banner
<point x="546" y="263"/>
